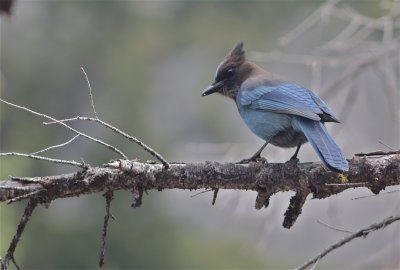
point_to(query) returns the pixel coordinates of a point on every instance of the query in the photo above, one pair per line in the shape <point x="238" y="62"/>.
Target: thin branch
<point x="15" y="188"/>
<point x="377" y="153"/>
<point x="360" y="233"/>
<point x="116" y="130"/>
<point x="384" y="144"/>
<point x="68" y="127"/>
<point x="314" y="265"/>
<point x="371" y="22"/>
<point x="357" y="22"/>
<point x="201" y="192"/>
<point x="21" y="227"/>
<point x="354" y="70"/>
<point x="109" y="195"/>
<point x="61" y="161"/>
<point x="357" y="31"/>
<point x="344" y="35"/>
<point x="355" y="64"/>
<point x="15" y="263"/>
<point x="301" y="59"/>
<point x="90" y="92"/>
<point x="346" y="184"/>
<point x="25" y="196"/>
<point x="56" y="146"/>
<point x="334" y="228"/>
<point x="28" y="179"/>
<point x="308" y="23"/>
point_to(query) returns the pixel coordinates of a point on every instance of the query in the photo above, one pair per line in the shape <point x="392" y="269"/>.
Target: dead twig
<point x="61" y="161"/>
<point x="116" y="130"/>
<point x="25" y="196"/>
<point x="333" y="228"/>
<point x="360" y="233"/>
<point x="68" y="127"/>
<point x="384" y="144"/>
<point x="56" y="146"/>
<point x="90" y="92"/>
<point x="346" y="184"/>
<point x="377" y="153"/>
<point x="109" y="195"/>
<point x="201" y="192"/>
<point x="32" y="203"/>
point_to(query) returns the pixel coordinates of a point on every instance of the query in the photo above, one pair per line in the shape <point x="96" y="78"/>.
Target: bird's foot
<point x="253" y="159"/>
<point x="292" y="160"/>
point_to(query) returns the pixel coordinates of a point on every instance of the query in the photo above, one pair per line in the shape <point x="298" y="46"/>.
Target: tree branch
<point x="21" y="227"/>
<point x="116" y="130"/>
<point x="65" y="125"/>
<point x="90" y="92"/>
<point x="109" y="195"/>
<point x="304" y="179"/>
<point x="360" y="233"/>
<point x="33" y="156"/>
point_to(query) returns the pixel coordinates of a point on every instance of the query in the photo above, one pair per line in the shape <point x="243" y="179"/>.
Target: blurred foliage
<point x="138" y="238"/>
<point x="122" y="44"/>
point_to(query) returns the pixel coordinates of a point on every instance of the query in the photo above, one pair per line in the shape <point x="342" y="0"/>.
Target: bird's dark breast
<point x="288" y="138"/>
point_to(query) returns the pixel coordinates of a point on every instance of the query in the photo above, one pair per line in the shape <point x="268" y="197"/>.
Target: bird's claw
<point x="292" y="160"/>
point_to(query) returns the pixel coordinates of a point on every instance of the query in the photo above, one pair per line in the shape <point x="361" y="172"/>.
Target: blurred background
<point x="148" y="62"/>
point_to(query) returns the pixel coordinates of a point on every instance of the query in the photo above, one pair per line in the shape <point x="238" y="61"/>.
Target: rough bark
<point x="375" y="173"/>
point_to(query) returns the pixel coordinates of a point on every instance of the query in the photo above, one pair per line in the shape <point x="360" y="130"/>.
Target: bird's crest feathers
<point x="237" y="54"/>
<point x="233" y="59"/>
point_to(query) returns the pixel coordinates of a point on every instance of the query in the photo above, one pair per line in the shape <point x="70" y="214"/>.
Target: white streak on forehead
<point x="219" y="66"/>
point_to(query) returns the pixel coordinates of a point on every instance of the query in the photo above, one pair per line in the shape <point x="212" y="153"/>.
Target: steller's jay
<point x="279" y="112"/>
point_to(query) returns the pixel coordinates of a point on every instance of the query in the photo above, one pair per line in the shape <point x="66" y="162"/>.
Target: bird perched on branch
<point x="279" y="112"/>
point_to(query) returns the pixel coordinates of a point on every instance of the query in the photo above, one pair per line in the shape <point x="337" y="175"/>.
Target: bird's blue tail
<point x="326" y="148"/>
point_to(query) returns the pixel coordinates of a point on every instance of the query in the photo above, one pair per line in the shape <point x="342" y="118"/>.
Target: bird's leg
<point x="294" y="157"/>
<point x="256" y="156"/>
<point x="258" y="153"/>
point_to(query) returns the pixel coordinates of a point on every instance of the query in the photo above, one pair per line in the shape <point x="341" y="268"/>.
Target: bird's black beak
<point x="215" y="87"/>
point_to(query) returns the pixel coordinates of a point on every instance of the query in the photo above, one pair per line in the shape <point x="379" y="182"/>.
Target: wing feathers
<point x="286" y="98"/>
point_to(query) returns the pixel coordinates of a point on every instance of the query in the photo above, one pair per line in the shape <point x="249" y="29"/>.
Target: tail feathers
<point x="326" y="148"/>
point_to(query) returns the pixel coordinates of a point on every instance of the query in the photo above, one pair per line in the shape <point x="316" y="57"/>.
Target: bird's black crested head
<point x="231" y="73"/>
<point x="228" y="67"/>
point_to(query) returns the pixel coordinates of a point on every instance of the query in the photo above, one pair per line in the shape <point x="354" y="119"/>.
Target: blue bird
<point x="279" y="112"/>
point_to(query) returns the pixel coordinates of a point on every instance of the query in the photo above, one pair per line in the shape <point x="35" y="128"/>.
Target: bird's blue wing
<point x="321" y="104"/>
<point x="284" y="98"/>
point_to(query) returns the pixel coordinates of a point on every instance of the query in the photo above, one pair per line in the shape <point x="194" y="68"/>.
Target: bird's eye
<point x="230" y="72"/>
<point x="224" y="74"/>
